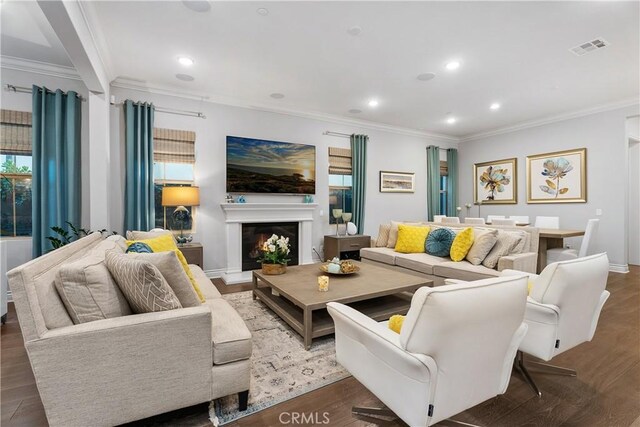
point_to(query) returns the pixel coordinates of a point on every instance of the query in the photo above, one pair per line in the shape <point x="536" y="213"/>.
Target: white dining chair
<point x="490" y="218"/>
<point x="438" y="218"/>
<point x="547" y="222"/>
<point x="520" y="219"/>
<point x="503" y="221"/>
<point x="563" y="254"/>
<point x="451" y="220"/>
<point x="476" y="221"/>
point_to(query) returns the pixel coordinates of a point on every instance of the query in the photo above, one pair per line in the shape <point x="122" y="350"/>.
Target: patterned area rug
<point x="281" y="368"/>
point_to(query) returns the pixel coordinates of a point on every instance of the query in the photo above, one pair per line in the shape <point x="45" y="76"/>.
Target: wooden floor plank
<point x="606" y="392"/>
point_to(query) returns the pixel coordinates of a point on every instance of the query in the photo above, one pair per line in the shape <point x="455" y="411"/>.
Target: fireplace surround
<point x="237" y="214"/>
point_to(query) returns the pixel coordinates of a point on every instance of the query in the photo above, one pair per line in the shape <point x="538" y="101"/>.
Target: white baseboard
<point x="619" y="268"/>
<point x="214" y="274"/>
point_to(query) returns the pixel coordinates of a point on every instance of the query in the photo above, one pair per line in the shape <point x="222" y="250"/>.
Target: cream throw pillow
<point x="171" y="269"/>
<point x="483" y="242"/>
<point x="383" y="235"/>
<point x="506" y="244"/>
<point x="144" y="235"/>
<point x="141" y="283"/>
<point x="89" y="292"/>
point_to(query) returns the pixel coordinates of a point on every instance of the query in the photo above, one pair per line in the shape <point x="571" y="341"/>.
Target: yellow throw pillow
<point x="166" y="243"/>
<point x="461" y="244"/>
<point x="411" y="239"/>
<point x="395" y="323"/>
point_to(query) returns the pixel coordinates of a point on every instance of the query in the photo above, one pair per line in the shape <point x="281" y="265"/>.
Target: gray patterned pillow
<point x="383" y="235"/>
<point x="482" y="244"/>
<point x="506" y="244"/>
<point x="141" y="283"/>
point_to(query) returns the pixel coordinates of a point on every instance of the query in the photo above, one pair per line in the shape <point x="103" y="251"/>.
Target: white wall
<point x="386" y="151"/>
<point x="603" y="135"/>
<point x="19" y="249"/>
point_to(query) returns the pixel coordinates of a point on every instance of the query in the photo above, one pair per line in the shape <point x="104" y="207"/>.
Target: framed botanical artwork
<point x="397" y="182"/>
<point x="496" y="182"/>
<point x="559" y="177"/>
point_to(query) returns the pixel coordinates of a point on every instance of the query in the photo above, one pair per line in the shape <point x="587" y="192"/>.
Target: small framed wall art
<point x="397" y="182"/>
<point x="496" y="182"/>
<point x="558" y="177"/>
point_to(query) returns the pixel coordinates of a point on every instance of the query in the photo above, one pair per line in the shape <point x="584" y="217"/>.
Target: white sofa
<point x="440" y="268"/>
<point x="116" y="370"/>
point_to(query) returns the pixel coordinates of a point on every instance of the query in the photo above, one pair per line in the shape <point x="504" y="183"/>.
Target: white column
<point x="99" y="161"/>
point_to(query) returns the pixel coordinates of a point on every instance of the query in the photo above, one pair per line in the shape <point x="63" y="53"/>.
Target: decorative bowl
<point x="325" y="268"/>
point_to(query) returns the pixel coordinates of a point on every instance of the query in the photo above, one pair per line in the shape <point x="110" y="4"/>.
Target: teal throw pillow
<point x="439" y="242"/>
<point x="139" y="248"/>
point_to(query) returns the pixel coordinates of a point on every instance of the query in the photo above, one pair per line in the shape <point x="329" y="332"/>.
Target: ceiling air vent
<point x="591" y="46"/>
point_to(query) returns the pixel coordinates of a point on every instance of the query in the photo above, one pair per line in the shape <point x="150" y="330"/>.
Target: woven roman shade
<point x="174" y="146"/>
<point x="339" y="161"/>
<point x="16" y="132"/>
<point x="444" y="169"/>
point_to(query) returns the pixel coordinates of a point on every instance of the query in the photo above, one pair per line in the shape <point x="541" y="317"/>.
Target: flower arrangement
<point x="276" y="250"/>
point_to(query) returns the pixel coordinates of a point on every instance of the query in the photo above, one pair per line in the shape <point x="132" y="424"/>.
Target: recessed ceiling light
<point x="426" y="76"/>
<point x="451" y="120"/>
<point x="495" y="106"/>
<point x="197" y="5"/>
<point x="277" y="95"/>
<point x="373" y="103"/>
<point x="354" y="31"/>
<point x="185" y="77"/>
<point x="185" y="60"/>
<point x="355" y="111"/>
<point x="262" y="11"/>
<point x="453" y="65"/>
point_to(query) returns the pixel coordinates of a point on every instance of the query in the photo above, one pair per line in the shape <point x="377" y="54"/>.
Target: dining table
<point x="552" y="238"/>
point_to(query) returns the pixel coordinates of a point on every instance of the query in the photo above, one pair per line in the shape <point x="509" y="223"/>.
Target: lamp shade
<point x="180" y="196"/>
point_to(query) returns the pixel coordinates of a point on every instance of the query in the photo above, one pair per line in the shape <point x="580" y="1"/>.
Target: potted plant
<point x="275" y="252"/>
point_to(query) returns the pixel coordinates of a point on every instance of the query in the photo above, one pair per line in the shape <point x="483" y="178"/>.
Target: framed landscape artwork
<point x="397" y="182"/>
<point x="496" y="182"/>
<point x="559" y="177"/>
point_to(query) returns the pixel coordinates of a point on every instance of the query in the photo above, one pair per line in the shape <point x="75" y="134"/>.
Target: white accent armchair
<point x="562" y="310"/>
<point x="455" y="350"/>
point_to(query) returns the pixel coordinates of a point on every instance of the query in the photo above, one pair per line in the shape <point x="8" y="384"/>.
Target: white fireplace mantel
<point x="238" y="213"/>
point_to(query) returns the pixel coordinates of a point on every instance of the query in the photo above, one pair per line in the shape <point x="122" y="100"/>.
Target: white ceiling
<point x="515" y="53"/>
<point x="26" y="34"/>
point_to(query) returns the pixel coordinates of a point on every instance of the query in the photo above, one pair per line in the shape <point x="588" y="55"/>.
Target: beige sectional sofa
<point x="121" y="369"/>
<point x="440" y="268"/>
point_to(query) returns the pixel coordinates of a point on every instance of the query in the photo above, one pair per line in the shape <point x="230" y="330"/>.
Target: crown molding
<point x="553" y="119"/>
<point x="37" y="67"/>
<point x="98" y="40"/>
<point x="139" y="85"/>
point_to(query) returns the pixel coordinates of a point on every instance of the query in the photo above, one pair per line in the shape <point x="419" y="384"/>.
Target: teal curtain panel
<point x="433" y="181"/>
<point x="56" y="179"/>
<point x="452" y="181"/>
<point x="359" y="173"/>
<point x="139" y="201"/>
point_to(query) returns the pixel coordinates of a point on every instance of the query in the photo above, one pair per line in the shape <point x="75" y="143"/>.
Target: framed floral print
<point x="558" y="177"/>
<point x="496" y="182"/>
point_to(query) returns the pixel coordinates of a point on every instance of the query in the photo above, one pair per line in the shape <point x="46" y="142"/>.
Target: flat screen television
<point x="261" y="166"/>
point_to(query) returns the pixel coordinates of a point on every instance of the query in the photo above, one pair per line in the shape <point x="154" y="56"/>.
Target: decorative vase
<point x="273" y="269"/>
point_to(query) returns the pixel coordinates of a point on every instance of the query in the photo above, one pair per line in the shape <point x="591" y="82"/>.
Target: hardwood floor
<point x="605" y="393"/>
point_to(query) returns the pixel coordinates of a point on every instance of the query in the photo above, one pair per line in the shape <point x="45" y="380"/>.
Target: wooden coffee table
<point x="377" y="292"/>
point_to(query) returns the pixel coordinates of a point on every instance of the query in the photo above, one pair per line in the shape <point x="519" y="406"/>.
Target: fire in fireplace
<point x="255" y="234"/>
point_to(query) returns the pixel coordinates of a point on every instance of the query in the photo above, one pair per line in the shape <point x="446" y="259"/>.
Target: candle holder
<point x="346" y="217"/>
<point x="337" y="214"/>
<point x="323" y="284"/>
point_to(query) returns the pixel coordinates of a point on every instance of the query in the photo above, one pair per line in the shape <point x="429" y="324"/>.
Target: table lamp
<point x="181" y="197"/>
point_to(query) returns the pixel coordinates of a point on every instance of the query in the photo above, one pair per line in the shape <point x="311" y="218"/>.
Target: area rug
<point x="281" y="368"/>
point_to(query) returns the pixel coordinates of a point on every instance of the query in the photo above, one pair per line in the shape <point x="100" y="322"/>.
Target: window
<point x="174" y="160"/>
<point x="15" y="174"/>
<point x="443" y="188"/>
<point x="340" y="181"/>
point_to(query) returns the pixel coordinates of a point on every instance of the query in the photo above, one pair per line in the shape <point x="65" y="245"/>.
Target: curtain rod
<point x="22" y="89"/>
<point x="338" y="134"/>
<point x="188" y="113"/>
